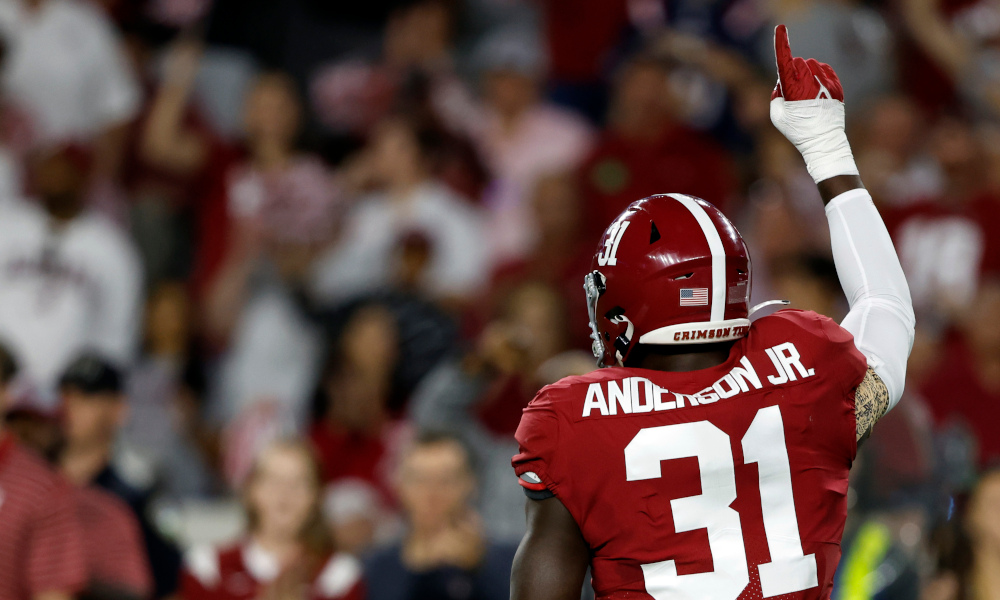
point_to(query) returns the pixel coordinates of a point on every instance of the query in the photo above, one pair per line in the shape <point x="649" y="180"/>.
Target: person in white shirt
<point x="521" y="137"/>
<point x="69" y="279"/>
<point x="376" y="249"/>
<point x="67" y="66"/>
<point x="284" y="207"/>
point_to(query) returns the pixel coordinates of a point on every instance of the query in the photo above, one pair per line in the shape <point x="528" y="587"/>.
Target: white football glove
<point x="807" y="107"/>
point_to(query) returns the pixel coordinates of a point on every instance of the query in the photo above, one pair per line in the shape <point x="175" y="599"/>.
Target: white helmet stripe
<point x="717" y="250"/>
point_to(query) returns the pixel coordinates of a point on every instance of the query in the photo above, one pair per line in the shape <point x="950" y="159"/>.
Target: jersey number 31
<point x="764" y="443"/>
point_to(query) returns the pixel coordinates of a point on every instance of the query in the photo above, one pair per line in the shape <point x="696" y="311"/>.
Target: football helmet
<point x="671" y="269"/>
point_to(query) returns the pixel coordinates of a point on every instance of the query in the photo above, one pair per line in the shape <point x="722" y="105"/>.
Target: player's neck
<point x="680" y="359"/>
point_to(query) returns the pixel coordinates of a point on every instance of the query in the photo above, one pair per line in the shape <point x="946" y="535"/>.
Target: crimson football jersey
<point x="724" y="483"/>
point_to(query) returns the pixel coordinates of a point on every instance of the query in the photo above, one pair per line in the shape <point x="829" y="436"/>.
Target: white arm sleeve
<point x="881" y="316"/>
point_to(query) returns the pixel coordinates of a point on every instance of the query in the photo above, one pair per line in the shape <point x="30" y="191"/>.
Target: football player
<point x="709" y="460"/>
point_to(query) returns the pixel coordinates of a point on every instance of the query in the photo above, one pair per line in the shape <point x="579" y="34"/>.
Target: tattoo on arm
<point x="871" y="400"/>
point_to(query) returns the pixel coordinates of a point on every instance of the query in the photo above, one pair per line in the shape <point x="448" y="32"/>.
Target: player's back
<point x="724" y="483"/>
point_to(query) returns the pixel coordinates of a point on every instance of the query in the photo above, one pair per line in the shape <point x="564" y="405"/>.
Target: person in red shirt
<point x="41" y="550"/>
<point x="445" y="553"/>
<point x="582" y="37"/>
<point x="709" y="457"/>
<point x="287" y="553"/>
<point x="965" y="385"/>
<point x="357" y="436"/>
<point x="950" y="241"/>
<point x="644" y="151"/>
<point x="93" y="407"/>
<point x="116" y="556"/>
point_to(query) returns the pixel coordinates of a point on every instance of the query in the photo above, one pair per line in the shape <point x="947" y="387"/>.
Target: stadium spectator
<point x="893" y="153"/>
<point x="34" y="428"/>
<point x="356" y="436"/>
<point x="358" y="518"/>
<point x="965" y="384"/>
<point x="409" y="202"/>
<point x="870" y="547"/>
<point x="949" y="242"/>
<point x="115" y="556"/>
<point x="69" y="279"/>
<point x="416" y="74"/>
<point x="582" y="38"/>
<point x="968" y="561"/>
<point x="175" y="167"/>
<point x="426" y="333"/>
<point x="520" y="136"/>
<point x="68" y="69"/>
<point x="644" y="151"/>
<point x="482" y="394"/>
<point x="287" y="552"/>
<point x="94" y="410"/>
<point x="560" y="255"/>
<point x="17" y="137"/>
<point x="42" y="556"/>
<point x="809" y="282"/>
<point x="284" y="209"/>
<point x="961" y="43"/>
<point x="166" y="389"/>
<point x="444" y="553"/>
<point x="353" y="95"/>
<point x="32" y="419"/>
<point x="983" y="528"/>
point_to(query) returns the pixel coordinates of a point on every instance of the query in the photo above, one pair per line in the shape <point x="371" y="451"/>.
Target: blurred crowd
<point x="277" y="277"/>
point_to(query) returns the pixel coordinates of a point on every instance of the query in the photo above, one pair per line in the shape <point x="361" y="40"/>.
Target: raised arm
<point x="935" y="35"/>
<point x="807" y="106"/>
<point x="166" y="140"/>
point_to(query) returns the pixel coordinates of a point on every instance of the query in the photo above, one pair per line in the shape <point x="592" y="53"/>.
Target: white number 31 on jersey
<point x="764" y="443"/>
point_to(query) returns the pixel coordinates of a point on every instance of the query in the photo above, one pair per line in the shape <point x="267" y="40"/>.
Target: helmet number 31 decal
<point x="607" y="256"/>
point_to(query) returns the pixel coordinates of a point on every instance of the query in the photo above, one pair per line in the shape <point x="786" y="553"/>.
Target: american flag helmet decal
<point x="694" y="296"/>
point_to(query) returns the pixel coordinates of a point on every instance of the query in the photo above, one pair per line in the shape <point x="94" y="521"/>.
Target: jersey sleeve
<point x="55" y="553"/>
<point x="537" y="437"/>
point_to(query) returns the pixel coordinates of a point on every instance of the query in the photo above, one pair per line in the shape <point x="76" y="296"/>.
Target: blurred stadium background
<point x="229" y="222"/>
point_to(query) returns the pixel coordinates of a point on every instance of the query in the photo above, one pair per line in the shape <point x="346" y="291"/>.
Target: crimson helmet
<point x="671" y="269"/>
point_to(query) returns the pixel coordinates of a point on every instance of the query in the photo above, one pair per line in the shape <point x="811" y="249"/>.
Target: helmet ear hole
<point x="621" y="344"/>
<point x="654" y="234"/>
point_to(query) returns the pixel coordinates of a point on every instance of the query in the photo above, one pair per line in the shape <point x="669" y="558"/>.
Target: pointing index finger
<point x="783" y="53"/>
